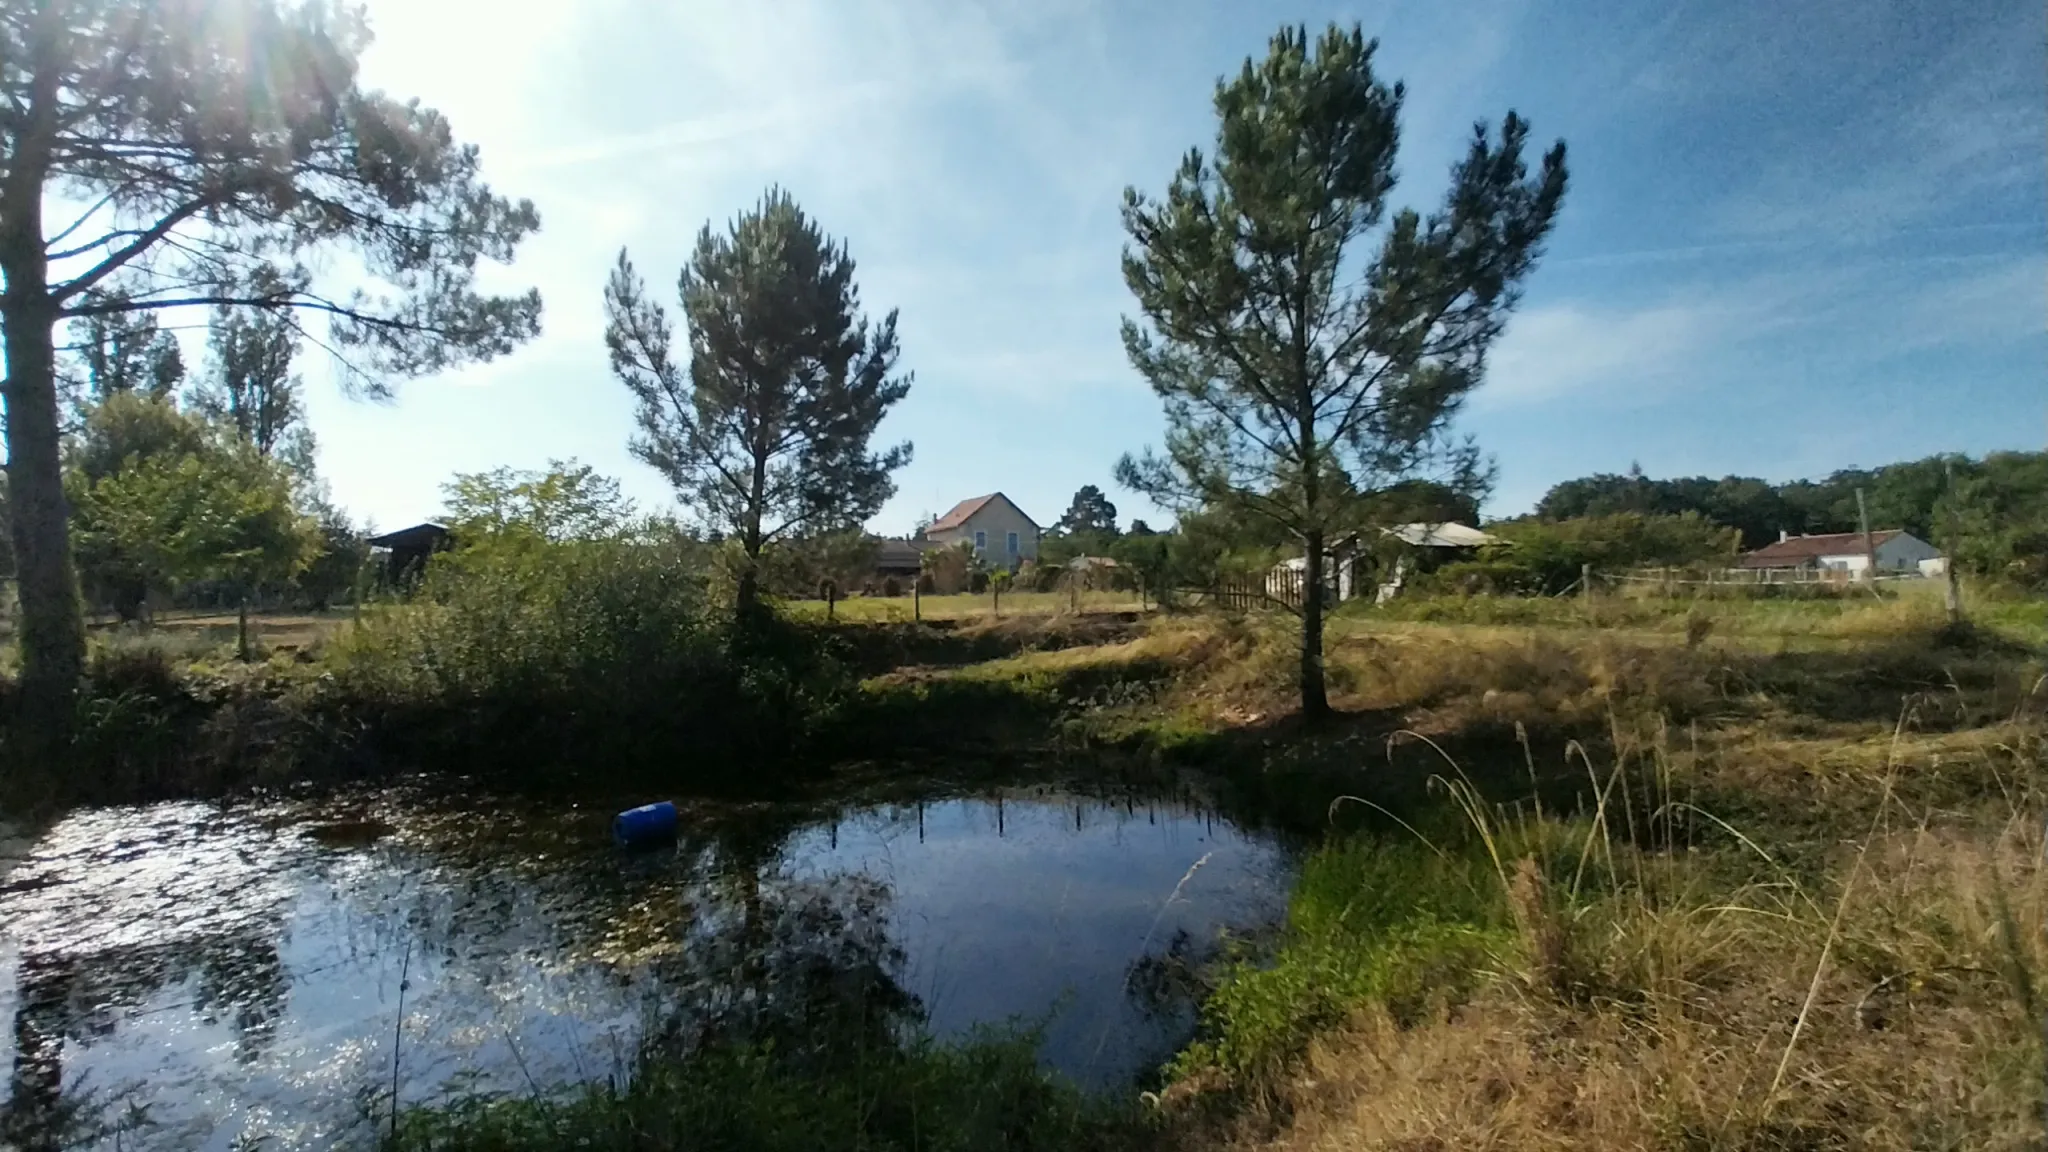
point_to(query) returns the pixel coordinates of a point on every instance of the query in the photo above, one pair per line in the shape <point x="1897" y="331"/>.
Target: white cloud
<point x="1580" y="348"/>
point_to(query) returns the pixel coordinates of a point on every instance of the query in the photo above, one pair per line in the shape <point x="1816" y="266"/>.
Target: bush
<point x="580" y="657"/>
<point x="1543" y="557"/>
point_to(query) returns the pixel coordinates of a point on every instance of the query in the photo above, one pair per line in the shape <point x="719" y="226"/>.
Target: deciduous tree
<point x="1311" y="348"/>
<point x="164" y="153"/>
<point x="220" y="511"/>
<point x="250" y="387"/>
<point x="764" y="432"/>
<point x="119" y="352"/>
<point x="569" y="501"/>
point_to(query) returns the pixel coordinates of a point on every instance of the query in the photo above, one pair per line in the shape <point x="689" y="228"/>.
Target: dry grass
<point x="1807" y="907"/>
<point x="901" y="609"/>
<point x="276" y="632"/>
<point x="1764" y="1021"/>
<point x="1699" y="991"/>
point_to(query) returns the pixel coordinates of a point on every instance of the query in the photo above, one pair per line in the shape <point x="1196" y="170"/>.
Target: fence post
<point x="1586" y="583"/>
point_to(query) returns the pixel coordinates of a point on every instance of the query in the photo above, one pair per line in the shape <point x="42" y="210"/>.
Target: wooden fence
<point x="1281" y="588"/>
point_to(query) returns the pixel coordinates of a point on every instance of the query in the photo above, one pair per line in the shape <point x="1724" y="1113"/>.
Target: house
<point x="405" y="551"/>
<point x="1898" y="553"/>
<point x="998" y="531"/>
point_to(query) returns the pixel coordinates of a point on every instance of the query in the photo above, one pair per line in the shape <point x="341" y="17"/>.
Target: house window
<point x="1012" y="542"/>
<point x="981" y="541"/>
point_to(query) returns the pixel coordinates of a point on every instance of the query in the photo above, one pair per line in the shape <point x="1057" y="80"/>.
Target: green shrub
<point x="1392" y="922"/>
<point x="1550" y="553"/>
<point x="584" y="657"/>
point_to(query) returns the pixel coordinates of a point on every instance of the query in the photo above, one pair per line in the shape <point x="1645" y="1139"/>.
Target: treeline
<point x="1990" y="513"/>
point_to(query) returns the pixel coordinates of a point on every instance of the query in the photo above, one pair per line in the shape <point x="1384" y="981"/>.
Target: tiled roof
<point x="961" y="513"/>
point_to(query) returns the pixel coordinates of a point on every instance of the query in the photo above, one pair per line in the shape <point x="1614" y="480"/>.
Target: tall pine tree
<point x="163" y="153"/>
<point x="1310" y="349"/>
<point x="765" y="431"/>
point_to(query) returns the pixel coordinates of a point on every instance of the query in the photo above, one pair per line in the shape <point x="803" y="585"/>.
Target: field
<point x="273" y="632"/>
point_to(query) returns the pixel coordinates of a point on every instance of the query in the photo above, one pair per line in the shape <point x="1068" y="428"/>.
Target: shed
<point x="406" y="550"/>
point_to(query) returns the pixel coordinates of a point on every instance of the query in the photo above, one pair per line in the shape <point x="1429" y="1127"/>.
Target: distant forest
<point x="1997" y="503"/>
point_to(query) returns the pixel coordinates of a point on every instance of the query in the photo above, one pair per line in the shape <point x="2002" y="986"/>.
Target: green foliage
<point x="1993" y="519"/>
<point x="1544" y="558"/>
<point x="123" y="353"/>
<point x="1753" y="507"/>
<point x="1388" y="921"/>
<point x="339" y="565"/>
<point x="517" y="655"/>
<point x="765" y="431"/>
<point x="221" y="514"/>
<point x="947" y="571"/>
<point x="130" y="426"/>
<point x="1090" y="512"/>
<point x="1912" y="494"/>
<point x="569" y="501"/>
<point x="1058" y="550"/>
<point x="160" y="499"/>
<point x="250" y="387"/>
<point x="808" y="566"/>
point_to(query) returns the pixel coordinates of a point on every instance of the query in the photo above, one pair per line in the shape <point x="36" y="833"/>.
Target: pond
<point x="209" y="976"/>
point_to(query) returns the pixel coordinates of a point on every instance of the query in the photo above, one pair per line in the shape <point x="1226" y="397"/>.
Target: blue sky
<point x="1800" y="236"/>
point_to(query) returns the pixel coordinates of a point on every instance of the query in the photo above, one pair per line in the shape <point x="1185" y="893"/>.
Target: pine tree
<point x="1089" y="513"/>
<point x="765" y="432"/>
<point x="184" y="148"/>
<point x="1310" y="349"/>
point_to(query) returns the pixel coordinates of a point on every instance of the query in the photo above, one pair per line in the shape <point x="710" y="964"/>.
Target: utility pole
<point x="1952" y="598"/>
<point x="1869" y="542"/>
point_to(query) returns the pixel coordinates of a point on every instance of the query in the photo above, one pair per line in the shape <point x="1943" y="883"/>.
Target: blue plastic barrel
<point x="647" y="824"/>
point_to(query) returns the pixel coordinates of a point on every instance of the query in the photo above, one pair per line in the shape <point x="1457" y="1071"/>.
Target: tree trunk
<point x="1315" y="696"/>
<point x="52" y="631"/>
<point x="747" y="597"/>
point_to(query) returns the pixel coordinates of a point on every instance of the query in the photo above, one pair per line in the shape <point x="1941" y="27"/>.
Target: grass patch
<point x="966" y="606"/>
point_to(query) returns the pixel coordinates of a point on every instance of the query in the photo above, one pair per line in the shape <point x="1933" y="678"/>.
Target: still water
<point x="206" y="976"/>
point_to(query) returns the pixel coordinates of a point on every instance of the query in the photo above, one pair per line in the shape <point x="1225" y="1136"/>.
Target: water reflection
<point x="192" y="975"/>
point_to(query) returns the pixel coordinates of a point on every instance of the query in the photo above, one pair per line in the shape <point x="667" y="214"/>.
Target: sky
<point x="1799" y="237"/>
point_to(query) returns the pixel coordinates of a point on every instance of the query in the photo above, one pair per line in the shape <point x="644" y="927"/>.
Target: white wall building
<point x="1898" y="553"/>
